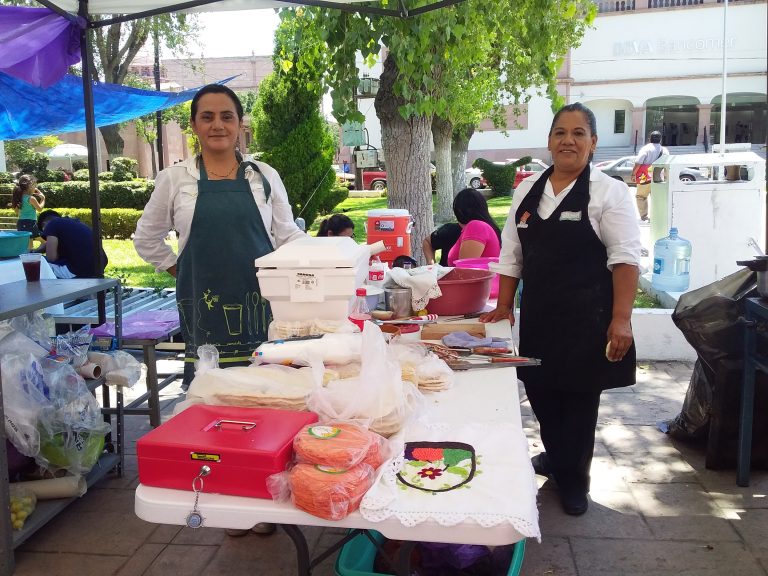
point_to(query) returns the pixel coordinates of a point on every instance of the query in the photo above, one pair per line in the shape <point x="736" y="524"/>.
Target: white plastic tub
<point x="313" y="277"/>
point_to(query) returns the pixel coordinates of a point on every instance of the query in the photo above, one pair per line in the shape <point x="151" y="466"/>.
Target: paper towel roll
<point x="65" y="487"/>
<point x="89" y="370"/>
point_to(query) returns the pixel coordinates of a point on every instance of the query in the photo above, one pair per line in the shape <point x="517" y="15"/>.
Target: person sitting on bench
<point x="68" y="246"/>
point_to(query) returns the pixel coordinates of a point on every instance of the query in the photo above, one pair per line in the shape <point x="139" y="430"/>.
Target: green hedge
<point x="119" y="223"/>
<point x="131" y="194"/>
<point x="500" y="178"/>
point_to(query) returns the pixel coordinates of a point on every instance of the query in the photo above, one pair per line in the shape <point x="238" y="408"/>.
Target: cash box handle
<point x="245" y="425"/>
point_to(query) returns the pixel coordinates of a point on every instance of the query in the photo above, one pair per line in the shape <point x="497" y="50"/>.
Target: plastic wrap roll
<point x="65" y="487"/>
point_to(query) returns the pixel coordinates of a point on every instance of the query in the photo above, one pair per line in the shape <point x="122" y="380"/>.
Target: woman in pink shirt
<point x="480" y="236"/>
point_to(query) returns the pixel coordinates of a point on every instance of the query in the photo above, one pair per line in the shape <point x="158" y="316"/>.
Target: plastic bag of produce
<point x="70" y="425"/>
<point x="23" y="503"/>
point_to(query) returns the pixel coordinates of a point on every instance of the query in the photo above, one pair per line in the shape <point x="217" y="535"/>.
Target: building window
<point x="619" y="117"/>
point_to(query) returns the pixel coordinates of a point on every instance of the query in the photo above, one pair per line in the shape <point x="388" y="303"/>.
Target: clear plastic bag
<point x="71" y="426"/>
<point x="378" y="396"/>
<point x="339" y="445"/>
<point x="279" y="329"/>
<point x="119" y="367"/>
<point x="208" y="358"/>
<point x="329" y="349"/>
<point x="73" y="345"/>
<point x="25" y="393"/>
<point x="328" y="492"/>
<point x="23" y="503"/>
<point x="422" y="367"/>
<point x="34" y="326"/>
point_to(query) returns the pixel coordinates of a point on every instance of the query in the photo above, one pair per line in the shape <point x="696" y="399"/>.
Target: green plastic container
<point x="13" y="243"/>
<point x="357" y="556"/>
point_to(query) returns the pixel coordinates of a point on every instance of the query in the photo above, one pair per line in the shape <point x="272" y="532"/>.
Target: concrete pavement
<point x="655" y="511"/>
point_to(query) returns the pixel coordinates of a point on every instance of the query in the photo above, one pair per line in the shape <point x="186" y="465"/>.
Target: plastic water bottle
<point x="671" y="263"/>
<point x="377" y="272"/>
<point x="360" y="312"/>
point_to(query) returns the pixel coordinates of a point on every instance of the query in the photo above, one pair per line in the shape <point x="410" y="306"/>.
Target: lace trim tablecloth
<point x="452" y="474"/>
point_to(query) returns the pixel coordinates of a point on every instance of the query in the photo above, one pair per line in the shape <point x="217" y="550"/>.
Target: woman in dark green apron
<point x="227" y="214"/>
<point x="573" y="238"/>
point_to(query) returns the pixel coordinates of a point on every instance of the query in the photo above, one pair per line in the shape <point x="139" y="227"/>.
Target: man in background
<point x="642" y="173"/>
<point x="68" y="246"/>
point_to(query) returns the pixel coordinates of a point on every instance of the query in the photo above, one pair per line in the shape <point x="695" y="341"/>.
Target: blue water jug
<point x="671" y="263"/>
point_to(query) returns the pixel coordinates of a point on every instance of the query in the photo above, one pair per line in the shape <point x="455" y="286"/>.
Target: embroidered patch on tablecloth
<point x="437" y="466"/>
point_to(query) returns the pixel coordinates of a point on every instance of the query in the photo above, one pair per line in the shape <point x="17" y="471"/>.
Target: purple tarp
<point x="143" y="325"/>
<point x="37" y="45"/>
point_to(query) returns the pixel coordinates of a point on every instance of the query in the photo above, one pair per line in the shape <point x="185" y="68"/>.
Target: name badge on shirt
<point x="570" y="216"/>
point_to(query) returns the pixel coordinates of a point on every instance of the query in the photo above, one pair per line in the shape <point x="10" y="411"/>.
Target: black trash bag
<point x="710" y="320"/>
<point x="692" y="423"/>
<point x="709" y="317"/>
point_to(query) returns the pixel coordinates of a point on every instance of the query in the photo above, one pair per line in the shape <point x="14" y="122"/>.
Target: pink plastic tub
<point x="465" y="291"/>
<point x="482" y="263"/>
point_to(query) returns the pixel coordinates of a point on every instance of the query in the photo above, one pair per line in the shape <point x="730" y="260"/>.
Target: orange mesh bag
<point x="338" y="445"/>
<point x="327" y="492"/>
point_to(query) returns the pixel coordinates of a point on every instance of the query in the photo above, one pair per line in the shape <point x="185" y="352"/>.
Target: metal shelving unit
<point x="19" y="298"/>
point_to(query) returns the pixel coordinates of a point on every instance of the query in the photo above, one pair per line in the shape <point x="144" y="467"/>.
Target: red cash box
<point x="241" y="446"/>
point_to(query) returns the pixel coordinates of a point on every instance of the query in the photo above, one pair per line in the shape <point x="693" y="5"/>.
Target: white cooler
<point x="313" y="277"/>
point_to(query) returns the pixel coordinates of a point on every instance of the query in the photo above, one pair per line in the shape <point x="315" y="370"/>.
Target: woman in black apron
<point x="574" y="241"/>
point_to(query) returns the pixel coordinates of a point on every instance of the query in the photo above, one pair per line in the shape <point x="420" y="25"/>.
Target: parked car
<point x="342" y="176"/>
<point x="475" y="176"/>
<point x="534" y="166"/>
<point x="621" y="169"/>
<point x="377" y="179"/>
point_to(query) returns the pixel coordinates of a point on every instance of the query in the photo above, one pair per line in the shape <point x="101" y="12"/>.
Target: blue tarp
<point x="27" y="111"/>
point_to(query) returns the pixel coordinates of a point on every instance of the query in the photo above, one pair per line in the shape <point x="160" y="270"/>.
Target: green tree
<point x="424" y="61"/>
<point x="515" y="62"/>
<point x="290" y="133"/>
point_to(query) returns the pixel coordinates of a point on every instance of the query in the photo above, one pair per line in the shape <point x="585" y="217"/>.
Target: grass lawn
<point x="124" y="263"/>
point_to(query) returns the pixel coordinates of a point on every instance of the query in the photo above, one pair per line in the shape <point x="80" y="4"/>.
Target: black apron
<point x="567" y="296"/>
<point x="217" y="292"/>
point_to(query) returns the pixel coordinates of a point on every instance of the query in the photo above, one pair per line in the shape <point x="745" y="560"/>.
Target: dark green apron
<point x="217" y="291"/>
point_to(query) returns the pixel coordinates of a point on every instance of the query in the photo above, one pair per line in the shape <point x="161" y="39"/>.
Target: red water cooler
<point x="393" y="227"/>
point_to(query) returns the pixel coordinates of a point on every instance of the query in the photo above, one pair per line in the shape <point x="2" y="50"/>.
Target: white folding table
<point x="487" y="395"/>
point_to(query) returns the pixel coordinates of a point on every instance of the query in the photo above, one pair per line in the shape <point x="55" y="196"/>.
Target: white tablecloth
<point x="11" y="270"/>
<point x="480" y="395"/>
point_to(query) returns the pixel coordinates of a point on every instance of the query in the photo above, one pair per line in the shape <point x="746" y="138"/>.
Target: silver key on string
<point x="195" y="519"/>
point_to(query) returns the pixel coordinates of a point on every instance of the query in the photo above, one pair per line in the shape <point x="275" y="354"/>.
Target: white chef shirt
<point x="612" y="214"/>
<point x="172" y="206"/>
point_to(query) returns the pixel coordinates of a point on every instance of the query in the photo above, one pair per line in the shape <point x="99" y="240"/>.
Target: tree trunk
<point x="459" y="145"/>
<point x="441" y="133"/>
<point x="406" y="148"/>
<point x="113" y="140"/>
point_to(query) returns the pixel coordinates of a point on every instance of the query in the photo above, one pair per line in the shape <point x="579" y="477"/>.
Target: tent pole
<point x="159" y="113"/>
<point x="86" y="57"/>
